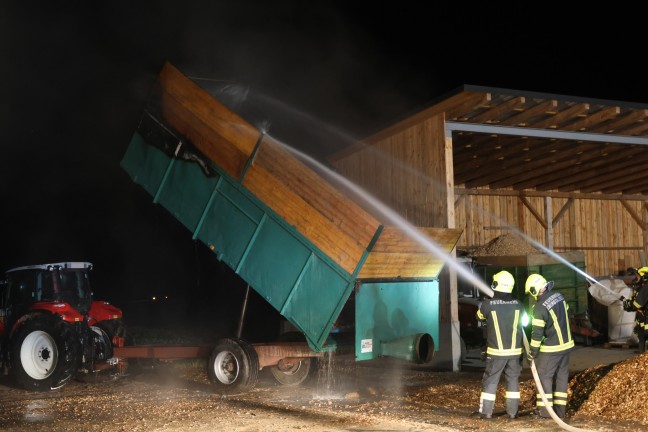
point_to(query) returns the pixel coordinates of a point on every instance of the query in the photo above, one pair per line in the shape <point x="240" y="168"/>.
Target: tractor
<point x="51" y="329"/>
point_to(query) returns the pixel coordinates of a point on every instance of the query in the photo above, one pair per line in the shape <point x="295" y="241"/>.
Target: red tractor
<point x="51" y="330"/>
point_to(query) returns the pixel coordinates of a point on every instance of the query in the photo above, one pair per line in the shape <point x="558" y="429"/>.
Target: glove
<point x="621" y="298"/>
<point x="627" y="305"/>
<point x="532" y="354"/>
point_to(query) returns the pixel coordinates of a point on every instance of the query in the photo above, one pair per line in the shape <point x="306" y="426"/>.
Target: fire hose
<point x="547" y="405"/>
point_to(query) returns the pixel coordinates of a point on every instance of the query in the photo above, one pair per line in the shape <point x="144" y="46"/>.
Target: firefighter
<point x="551" y="342"/>
<point x="638" y="303"/>
<point x="503" y="318"/>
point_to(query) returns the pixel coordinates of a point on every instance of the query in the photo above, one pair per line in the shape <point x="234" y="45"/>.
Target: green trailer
<point x="293" y="237"/>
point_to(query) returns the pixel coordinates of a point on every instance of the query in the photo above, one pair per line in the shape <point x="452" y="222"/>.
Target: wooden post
<point x="549" y="219"/>
<point x="644" y="216"/>
<point x="450" y="223"/>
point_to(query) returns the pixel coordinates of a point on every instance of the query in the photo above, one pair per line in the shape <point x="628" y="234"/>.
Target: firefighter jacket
<point x="503" y="317"/>
<point x="639" y="300"/>
<point x="551" y="333"/>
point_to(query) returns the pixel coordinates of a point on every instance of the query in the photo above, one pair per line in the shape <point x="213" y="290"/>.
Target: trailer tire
<point x="292" y="373"/>
<point x="254" y="362"/>
<point x="233" y="367"/>
<point x="44" y="353"/>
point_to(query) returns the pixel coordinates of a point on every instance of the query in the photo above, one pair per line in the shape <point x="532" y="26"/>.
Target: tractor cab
<point x="67" y="282"/>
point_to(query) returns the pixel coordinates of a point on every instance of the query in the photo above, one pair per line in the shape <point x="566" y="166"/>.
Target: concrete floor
<point x="584" y="357"/>
<point x="581" y="358"/>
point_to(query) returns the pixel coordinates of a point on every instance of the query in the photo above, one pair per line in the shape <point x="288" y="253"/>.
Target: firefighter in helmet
<point x="638" y="303"/>
<point x="551" y="342"/>
<point x="503" y="317"/>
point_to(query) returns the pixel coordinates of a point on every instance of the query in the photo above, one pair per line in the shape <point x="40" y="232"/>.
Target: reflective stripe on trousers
<point x="511" y="368"/>
<point x="553" y="368"/>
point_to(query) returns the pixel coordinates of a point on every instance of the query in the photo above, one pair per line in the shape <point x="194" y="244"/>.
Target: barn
<point x="566" y="171"/>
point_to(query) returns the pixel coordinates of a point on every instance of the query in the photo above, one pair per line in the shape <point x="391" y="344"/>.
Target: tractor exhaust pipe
<point x="417" y="348"/>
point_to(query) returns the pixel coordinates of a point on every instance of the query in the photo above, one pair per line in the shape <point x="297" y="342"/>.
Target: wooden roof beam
<point x="491" y="115"/>
<point x="596" y="183"/>
<point x="612" y="179"/>
<point x="518" y="167"/>
<point x="637" y="129"/>
<point x="555" y="170"/>
<point x="622" y="121"/>
<point x="561" y="116"/>
<point x="585" y="171"/>
<point x="533" y="193"/>
<point x="471" y="170"/>
<point x="638" y="188"/>
<point x="522" y="118"/>
<point x="481" y="148"/>
<point x="627" y="182"/>
<point x="531" y="151"/>
<point x="588" y="122"/>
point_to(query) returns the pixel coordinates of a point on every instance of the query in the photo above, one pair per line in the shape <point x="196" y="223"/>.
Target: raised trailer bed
<point x="294" y="238"/>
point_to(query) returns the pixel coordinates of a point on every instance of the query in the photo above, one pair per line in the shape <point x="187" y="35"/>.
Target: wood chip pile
<point x="506" y="245"/>
<point x="617" y="392"/>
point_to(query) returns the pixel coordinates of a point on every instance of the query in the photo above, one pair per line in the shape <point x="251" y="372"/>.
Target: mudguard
<point x="101" y="311"/>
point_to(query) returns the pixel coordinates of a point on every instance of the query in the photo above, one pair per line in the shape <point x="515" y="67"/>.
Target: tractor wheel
<point x="233" y="367"/>
<point x="44" y="353"/>
<point x="291" y="373"/>
<point x="113" y="327"/>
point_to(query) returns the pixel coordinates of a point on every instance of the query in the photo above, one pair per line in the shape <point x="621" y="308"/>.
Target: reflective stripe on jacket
<point x="551" y="332"/>
<point x="503" y="326"/>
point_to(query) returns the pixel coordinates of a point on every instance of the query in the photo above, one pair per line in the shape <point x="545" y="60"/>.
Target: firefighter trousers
<point x="495" y="366"/>
<point x="641" y="328"/>
<point x="553" y="371"/>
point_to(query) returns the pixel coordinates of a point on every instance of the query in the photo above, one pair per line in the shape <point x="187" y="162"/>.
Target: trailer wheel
<point x="43" y="353"/>
<point x="254" y="362"/>
<point x="291" y="372"/>
<point x="233" y="367"/>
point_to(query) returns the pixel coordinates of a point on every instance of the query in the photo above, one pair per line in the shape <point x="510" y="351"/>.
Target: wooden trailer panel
<point x="330" y="220"/>
<point x="397" y="254"/>
<point x="222" y="136"/>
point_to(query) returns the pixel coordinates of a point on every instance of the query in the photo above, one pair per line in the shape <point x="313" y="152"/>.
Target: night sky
<point x="75" y="77"/>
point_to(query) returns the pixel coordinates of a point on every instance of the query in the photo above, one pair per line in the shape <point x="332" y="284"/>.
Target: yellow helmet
<point x="642" y="272"/>
<point x="503" y="282"/>
<point x="534" y="284"/>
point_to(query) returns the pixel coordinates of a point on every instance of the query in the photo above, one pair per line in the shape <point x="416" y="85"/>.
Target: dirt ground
<point x="341" y="396"/>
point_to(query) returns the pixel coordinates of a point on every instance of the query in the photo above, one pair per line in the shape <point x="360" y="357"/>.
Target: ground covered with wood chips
<point x="342" y="395"/>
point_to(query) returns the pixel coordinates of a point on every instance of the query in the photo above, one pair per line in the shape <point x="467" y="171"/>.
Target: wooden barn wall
<point x="610" y="236"/>
<point x="398" y="170"/>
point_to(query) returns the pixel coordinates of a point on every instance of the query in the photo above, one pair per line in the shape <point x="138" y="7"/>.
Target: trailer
<point x="292" y="236"/>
